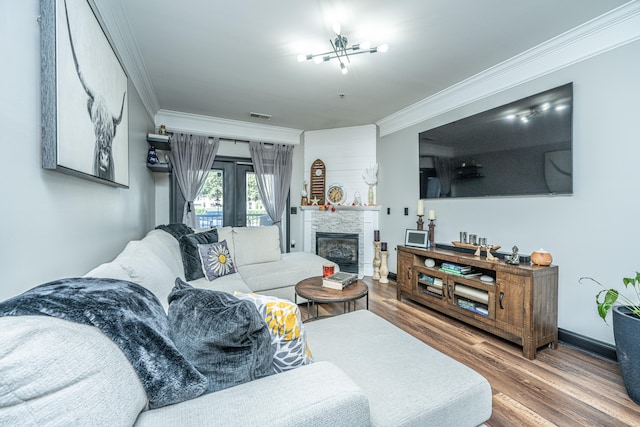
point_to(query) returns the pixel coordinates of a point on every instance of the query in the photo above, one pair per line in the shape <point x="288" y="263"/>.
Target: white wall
<point x="54" y="225"/>
<point x="591" y="233"/>
<point x="346" y="153"/>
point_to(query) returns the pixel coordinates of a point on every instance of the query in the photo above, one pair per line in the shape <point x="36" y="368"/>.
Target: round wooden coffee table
<point x="312" y="290"/>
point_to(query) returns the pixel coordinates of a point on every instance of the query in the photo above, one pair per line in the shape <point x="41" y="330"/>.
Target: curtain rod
<point x="235" y="141"/>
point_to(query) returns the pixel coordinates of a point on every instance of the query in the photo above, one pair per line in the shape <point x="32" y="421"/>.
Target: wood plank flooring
<point x="562" y="387"/>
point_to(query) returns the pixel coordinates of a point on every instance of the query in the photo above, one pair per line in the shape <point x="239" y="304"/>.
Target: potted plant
<point x="626" y="329"/>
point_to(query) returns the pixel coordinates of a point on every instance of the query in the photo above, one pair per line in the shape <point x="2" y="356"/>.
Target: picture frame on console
<point x="83" y="96"/>
<point x="417" y="238"/>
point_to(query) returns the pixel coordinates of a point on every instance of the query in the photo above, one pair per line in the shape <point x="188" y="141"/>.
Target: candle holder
<point x="384" y="270"/>
<point x="376" y="261"/>
<point x="432" y="228"/>
<point x="420" y="223"/>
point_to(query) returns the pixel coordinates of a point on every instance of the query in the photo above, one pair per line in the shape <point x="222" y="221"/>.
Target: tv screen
<point x="519" y="149"/>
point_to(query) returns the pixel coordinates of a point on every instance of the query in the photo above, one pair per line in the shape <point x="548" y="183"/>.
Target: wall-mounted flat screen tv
<point x="519" y="149"/>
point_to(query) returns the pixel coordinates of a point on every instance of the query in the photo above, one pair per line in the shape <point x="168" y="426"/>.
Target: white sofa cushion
<point x="290" y="269"/>
<point x="109" y="270"/>
<point x="229" y="283"/>
<point x="255" y="245"/>
<point x="146" y="269"/>
<point x="167" y="248"/>
<point x="427" y="387"/>
<point x="311" y="396"/>
<point x="59" y="373"/>
<point x="226" y="233"/>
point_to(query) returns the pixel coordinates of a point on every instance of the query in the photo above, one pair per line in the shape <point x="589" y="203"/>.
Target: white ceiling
<point x="227" y="59"/>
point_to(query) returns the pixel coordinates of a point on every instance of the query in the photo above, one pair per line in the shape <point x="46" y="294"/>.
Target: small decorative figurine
<point x="152" y="156"/>
<point x="477" y="252"/>
<point x="304" y="201"/>
<point x="490" y="256"/>
<point x="357" y="201"/>
<point x="514" y="258"/>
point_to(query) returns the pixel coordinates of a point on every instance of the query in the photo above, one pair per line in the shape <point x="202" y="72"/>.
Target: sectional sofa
<point x="365" y="371"/>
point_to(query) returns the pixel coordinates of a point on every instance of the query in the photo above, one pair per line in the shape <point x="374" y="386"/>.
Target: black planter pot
<point x="626" y="331"/>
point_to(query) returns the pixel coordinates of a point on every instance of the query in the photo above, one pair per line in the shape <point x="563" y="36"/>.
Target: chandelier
<point x="341" y="51"/>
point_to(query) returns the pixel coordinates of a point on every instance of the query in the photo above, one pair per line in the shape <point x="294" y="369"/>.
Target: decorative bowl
<point x="541" y="257"/>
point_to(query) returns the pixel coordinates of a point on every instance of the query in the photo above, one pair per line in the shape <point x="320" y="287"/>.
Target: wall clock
<point x="336" y="194"/>
<point x="318" y="180"/>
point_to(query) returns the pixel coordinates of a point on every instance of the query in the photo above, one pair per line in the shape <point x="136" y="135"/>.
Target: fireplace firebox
<point x="341" y="248"/>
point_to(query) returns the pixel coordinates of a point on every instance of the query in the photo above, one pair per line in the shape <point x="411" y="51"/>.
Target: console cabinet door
<point x="510" y="302"/>
<point x="405" y="261"/>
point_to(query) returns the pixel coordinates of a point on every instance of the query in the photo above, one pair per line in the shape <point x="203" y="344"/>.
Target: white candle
<point x="432" y="214"/>
<point x="420" y="210"/>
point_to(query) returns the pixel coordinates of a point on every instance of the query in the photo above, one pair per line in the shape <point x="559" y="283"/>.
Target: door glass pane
<point x="210" y="202"/>
<point x="256" y="213"/>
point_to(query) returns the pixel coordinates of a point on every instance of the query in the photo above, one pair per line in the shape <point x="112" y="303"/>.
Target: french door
<point x="230" y="197"/>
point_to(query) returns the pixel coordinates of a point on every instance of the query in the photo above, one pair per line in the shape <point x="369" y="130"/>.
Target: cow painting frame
<point x="84" y="92"/>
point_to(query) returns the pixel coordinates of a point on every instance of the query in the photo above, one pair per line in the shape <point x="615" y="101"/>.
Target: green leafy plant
<point x="607" y="297"/>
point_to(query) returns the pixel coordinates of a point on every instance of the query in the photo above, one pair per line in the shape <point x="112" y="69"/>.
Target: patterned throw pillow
<point x="216" y="260"/>
<point x="288" y="337"/>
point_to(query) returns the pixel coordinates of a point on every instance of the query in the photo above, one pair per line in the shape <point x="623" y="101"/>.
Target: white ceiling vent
<point x="260" y="116"/>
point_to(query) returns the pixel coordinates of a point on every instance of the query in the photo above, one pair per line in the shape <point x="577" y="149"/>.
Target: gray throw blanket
<point x="132" y="317"/>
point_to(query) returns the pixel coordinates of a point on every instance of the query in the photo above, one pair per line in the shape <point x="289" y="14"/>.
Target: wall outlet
<point x="406" y="211"/>
<point x="388" y="211"/>
<point x="294" y="210"/>
<point x="293" y="243"/>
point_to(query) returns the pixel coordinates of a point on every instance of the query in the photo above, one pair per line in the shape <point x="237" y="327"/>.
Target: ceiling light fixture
<point x="341" y="50"/>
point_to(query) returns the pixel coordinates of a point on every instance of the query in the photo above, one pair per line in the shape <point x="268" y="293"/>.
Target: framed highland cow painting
<point x="84" y="96"/>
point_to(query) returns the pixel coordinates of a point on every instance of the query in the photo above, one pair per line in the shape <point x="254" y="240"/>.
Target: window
<point x="229" y="197"/>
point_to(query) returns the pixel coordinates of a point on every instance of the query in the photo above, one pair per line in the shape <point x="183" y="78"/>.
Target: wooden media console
<point x="519" y="303"/>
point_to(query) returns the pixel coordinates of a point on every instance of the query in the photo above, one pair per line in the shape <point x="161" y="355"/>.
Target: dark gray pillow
<point x="190" y="255"/>
<point x="224" y="337"/>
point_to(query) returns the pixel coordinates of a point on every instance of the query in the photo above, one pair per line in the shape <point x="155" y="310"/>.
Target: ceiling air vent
<point x="260" y="116"/>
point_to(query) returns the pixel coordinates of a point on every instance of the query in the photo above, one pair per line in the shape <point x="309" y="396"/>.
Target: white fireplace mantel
<point x="361" y="220"/>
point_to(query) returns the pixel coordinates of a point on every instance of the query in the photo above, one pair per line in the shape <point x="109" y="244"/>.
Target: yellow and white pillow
<point x="288" y="337"/>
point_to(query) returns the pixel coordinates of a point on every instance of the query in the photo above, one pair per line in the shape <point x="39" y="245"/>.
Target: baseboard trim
<point x="599" y="348"/>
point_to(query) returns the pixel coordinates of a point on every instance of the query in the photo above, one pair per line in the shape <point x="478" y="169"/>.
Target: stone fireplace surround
<point x="361" y="220"/>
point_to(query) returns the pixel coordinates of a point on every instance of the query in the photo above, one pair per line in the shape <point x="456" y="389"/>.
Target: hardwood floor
<point x="562" y="387"/>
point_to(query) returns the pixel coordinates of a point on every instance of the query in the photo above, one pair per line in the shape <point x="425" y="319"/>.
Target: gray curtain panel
<point x="191" y="158"/>
<point x="273" y="164"/>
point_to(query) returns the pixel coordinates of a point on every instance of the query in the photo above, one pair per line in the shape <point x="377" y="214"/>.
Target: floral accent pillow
<point x="288" y="336"/>
<point x="216" y="260"/>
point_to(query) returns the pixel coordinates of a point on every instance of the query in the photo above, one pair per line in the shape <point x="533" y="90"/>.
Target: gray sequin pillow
<point x="224" y="337"/>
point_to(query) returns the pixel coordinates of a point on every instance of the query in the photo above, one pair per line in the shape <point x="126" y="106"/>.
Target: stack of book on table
<point x="459" y="270"/>
<point x="339" y="280"/>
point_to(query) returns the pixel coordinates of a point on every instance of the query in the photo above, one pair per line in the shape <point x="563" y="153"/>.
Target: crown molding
<point x="607" y="32"/>
<point x="116" y="24"/>
<point x="223" y="128"/>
